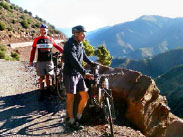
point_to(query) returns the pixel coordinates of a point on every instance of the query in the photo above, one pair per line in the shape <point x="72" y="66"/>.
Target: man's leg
<point x="82" y="104"/>
<point x="69" y="106"/>
<point x="48" y="81"/>
<point x="41" y="82"/>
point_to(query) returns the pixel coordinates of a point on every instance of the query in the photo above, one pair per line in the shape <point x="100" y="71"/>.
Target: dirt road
<point x="20" y="112"/>
<point x="25" y="44"/>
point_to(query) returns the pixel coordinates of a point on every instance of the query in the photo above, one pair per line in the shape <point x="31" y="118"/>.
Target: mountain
<point x="66" y="31"/>
<point x="171" y="86"/>
<point x="144" y="37"/>
<point x="154" y="66"/>
<point x="17" y="24"/>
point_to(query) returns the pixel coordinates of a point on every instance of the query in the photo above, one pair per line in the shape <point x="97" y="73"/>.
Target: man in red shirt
<point x="44" y="65"/>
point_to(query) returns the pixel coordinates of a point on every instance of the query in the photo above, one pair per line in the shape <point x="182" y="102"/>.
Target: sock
<point x="72" y="120"/>
<point x="79" y="116"/>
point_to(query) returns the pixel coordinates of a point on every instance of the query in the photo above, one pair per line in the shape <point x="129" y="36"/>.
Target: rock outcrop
<point x="142" y="104"/>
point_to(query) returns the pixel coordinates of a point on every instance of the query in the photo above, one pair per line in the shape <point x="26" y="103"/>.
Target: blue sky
<point x="95" y="14"/>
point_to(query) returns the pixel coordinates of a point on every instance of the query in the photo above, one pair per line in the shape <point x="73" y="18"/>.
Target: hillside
<point x="144" y="37"/>
<point x="171" y="86"/>
<point x="154" y="66"/>
<point x="17" y="24"/>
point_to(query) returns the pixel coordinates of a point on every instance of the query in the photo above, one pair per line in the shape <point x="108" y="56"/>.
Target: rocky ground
<point x="21" y="114"/>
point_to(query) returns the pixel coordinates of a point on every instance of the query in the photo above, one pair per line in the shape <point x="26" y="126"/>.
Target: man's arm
<point x="32" y="54"/>
<point x="59" y="48"/>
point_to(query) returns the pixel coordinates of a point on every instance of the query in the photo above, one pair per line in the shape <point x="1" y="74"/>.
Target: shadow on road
<point x="23" y="114"/>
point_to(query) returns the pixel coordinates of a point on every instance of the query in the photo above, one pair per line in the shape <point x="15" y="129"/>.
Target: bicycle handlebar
<point x="57" y="55"/>
<point x="112" y="74"/>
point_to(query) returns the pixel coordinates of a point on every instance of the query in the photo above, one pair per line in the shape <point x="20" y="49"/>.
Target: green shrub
<point x="29" y="20"/>
<point x="7" y="1"/>
<point x="15" y="7"/>
<point x="2" y="51"/>
<point x="23" y="17"/>
<point x="15" y="56"/>
<point x="37" y="25"/>
<point x="10" y="29"/>
<point x="24" y="24"/>
<point x="25" y="11"/>
<point x="2" y="54"/>
<point x="8" y="58"/>
<point x="5" y="6"/>
<point x="30" y="13"/>
<point x="2" y="26"/>
<point x="3" y="48"/>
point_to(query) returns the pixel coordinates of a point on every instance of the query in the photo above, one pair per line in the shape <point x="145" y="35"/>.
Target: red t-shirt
<point x="44" y="45"/>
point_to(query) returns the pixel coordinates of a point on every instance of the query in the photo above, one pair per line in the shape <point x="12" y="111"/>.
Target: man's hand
<point x="31" y="64"/>
<point x="89" y="76"/>
<point x="95" y="63"/>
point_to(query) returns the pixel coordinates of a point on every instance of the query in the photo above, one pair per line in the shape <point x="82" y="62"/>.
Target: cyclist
<point x="44" y="65"/>
<point x="74" y="72"/>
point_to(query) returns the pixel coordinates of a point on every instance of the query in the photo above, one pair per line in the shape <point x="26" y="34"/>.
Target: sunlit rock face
<point x="139" y="98"/>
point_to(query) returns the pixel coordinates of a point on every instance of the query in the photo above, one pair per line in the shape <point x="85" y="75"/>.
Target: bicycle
<point x="101" y="96"/>
<point x="57" y="80"/>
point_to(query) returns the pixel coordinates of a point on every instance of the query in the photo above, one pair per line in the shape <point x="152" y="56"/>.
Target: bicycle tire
<point x="108" y="114"/>
<point x="60" y="89"/>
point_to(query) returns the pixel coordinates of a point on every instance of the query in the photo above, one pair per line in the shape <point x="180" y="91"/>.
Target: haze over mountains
<point x="143" y="37"/>
<point x="154" y="66"/>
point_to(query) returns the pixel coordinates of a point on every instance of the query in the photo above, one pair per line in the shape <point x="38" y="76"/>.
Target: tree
<point x="88" y="48"/>
<point x="103" y="55"/>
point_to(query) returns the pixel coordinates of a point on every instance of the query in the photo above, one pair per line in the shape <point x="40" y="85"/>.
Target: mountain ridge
<point x="146" y="36"/>
<point x="154" y="66"/>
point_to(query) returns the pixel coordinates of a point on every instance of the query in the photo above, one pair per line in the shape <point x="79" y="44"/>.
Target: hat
<point x="44" y="26"/>
<point x="78" y="28"/>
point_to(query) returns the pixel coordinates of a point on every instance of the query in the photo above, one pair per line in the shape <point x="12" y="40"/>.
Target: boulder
<point x="142" y="104"/>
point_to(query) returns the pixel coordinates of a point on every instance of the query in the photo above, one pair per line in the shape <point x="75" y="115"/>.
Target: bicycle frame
<point x="101" y="96"/>
<point x="57" y="80"/>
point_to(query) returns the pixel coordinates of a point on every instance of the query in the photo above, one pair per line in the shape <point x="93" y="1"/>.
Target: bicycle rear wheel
<point x="60" y="90"/>
<point x="108" y="114"/>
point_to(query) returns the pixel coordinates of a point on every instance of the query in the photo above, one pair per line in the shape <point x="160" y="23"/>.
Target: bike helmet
<point x="78" y="28"/>
<point x="44" y="26"/>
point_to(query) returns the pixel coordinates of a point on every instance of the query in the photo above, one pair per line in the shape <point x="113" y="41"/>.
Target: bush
<point x="37" y="25"/>
<point x="24" y="24"/>
<point x="30" y="13"/>
<point x="15" y="56"/>
<point x="10" y="29"/>
<point x="5" y="6"/>
<point x="25" y="11"/>
<point x="8" y="58"/>
<point x="2" y="26"/>
<point x="15" y="7"/>
<point x="3" y="48"/>
<point x="2" y="51"/>
<point x="23" y="17"/>
<point x="2" y="54"/>
<point x="29" y="20"/>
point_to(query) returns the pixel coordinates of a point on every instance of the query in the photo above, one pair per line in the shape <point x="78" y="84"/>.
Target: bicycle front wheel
<point x="108" y="114"/>
<point x="60" y="89"/>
